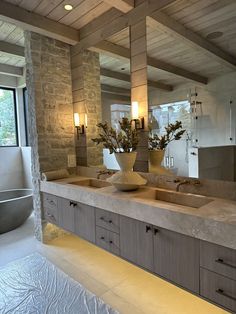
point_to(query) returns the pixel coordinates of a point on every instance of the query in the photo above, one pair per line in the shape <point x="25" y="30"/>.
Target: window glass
<point x="8" y="123"/>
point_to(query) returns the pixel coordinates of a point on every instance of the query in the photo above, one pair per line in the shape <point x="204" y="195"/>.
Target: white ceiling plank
<point x="194" y="39"/>
<point x="37" y="23"/>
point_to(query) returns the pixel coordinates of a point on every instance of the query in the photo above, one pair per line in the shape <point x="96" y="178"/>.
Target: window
<point x="8" y="121"/>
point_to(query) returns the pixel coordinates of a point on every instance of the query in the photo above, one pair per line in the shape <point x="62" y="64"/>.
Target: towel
<point x="55" y="175"/>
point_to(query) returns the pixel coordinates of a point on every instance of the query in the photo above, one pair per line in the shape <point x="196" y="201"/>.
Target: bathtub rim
<point x="16" y="198"/>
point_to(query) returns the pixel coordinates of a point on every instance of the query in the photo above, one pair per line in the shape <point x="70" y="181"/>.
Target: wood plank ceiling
<point x="201" y="16"/>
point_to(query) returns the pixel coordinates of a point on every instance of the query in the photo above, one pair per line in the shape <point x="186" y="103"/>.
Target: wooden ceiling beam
<point x="177" y="29"/>
<point x="115" y="90"/>
<point x="121" y="5"/>
<point x="37" y="23"/>
<point x="12" y="49"/>
<point x="126" y="78"/>
<point x="11" y="70"/>
<point x="114" y="26"/>
<point x="116" y="97"/>
<point x="153" y="62"/>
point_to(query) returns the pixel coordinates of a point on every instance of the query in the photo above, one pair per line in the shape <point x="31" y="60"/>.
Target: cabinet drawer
<point x="108" y="240"/>
<point x="218" y="259"/>
<point x="50" y="201"/>
<point x="50" y="208"/>
<point x="218" y="289"/>
<point x="107" y="220"/>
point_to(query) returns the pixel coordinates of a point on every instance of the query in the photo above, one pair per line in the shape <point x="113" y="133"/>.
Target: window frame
<point x="15" y="114"/>
<point x="25" y="105"/>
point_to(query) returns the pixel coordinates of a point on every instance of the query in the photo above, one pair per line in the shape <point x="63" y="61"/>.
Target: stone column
<point x="51" y="129"/>
<point x="139" y="87"/>
<point x="87" y="99"/>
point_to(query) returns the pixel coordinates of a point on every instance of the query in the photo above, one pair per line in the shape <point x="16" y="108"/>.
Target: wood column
<point x="139" y="87"/>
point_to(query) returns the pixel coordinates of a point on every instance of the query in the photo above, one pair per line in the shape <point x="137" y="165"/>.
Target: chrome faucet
<point x="101" y="172"/>
<point x="179" y="183"/>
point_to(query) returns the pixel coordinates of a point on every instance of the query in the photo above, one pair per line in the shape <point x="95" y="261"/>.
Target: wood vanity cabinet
<point x="176" y="258"/>
<point x="166" y="253"/>
<point x="204" y="268"/>
<point x="66" y="214"/>
<point x="218" y="274"/>
<point x="85" y="221"/>
<point x="136" y="242"/>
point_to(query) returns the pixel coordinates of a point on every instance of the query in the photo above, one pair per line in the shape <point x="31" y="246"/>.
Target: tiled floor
<point x="125" y="287"/>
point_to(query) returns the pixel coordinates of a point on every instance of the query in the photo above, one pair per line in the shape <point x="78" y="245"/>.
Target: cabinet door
<point x="85" y="222"/>
<point x="176" y="258"/>
<point x="136" y="242"/>
<point x="66" y="214"/>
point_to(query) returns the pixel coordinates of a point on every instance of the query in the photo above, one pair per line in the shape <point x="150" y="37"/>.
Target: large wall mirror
<point x="196" y="89"/>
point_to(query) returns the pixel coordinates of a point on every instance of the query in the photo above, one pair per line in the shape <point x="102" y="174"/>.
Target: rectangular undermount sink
<point x="184" y="199"/>
<point x="92" y="183"/>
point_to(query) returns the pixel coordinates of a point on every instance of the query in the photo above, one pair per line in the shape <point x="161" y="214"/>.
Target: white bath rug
<point x="33" y="285"/>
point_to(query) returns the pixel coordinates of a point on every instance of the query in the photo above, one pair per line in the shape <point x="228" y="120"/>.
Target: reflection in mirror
<point x="208" y="114"/>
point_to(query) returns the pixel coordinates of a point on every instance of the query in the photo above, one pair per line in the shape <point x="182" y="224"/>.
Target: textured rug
<point x="33" y="285"/>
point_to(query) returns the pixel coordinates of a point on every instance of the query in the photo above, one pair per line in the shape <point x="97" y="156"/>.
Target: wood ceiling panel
<point x="29" y="5"/>
<point x="59" y="12"/>
<point x="11" y="60"/>
<point x="45" y="7"/>
<point x="79" y="11"/>
<point x="91" y="15"/>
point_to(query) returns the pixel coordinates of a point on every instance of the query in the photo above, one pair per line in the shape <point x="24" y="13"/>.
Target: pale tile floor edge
<point x="125" y="287"/>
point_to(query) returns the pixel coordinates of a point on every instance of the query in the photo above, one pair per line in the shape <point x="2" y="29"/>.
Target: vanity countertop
<point x="214" y="222"/>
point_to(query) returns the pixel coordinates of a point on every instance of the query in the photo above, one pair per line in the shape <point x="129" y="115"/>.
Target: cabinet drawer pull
<point x="102" y="238"/>
<point x="110" y="241"/>
<point x="148" y="228"/>
<point x="221" y="261"/>
<point x="156" y="231"/>
<point x="51" y="202"/>
<point x="221" y="292"/>
<point x="51" y="216"/>
<point x="107" y="221"/>
<point x="73" y="203"/>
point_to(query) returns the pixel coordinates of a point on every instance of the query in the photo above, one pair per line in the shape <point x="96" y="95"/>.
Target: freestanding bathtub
<point x="15" y="207"/>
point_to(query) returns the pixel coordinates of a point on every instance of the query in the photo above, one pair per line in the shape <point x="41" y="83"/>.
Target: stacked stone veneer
<point x="87" y="99"/>
<point x="51" y="129"/>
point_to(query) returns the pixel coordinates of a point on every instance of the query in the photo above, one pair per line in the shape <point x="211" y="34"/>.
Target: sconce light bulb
<point x="134" y="108"/>
<point x="76" y="119"/>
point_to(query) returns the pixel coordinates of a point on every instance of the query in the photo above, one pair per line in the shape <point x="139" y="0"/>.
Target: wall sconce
<point x="138" y="121"/>
<point x="80" y="127"/>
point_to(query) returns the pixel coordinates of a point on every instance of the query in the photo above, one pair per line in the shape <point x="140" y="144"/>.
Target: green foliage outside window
<point x="8" y="135"/>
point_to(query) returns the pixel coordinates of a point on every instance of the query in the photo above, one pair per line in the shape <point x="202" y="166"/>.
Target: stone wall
<point x="51" y="129"/>
<point x="87" y="99"/>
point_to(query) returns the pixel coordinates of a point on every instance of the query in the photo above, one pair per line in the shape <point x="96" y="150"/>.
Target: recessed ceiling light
<point x="68" y="7"/>
<point x="214" y="35"/>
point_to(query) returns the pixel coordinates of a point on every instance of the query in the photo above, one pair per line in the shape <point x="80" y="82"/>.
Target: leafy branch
<point x="123" y="141"/>
<point x="174" y="132"/>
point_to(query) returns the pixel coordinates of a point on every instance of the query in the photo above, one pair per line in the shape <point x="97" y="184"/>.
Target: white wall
<point x="26" y="166"/>
<point x="11" y="173"/>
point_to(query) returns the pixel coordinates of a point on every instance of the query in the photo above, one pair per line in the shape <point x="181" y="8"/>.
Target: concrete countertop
<point x="214" y="222"/>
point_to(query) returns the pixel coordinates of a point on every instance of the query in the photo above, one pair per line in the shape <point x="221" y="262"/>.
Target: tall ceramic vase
<point x="155" y="161"/>
<point x="126" y="179"/>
